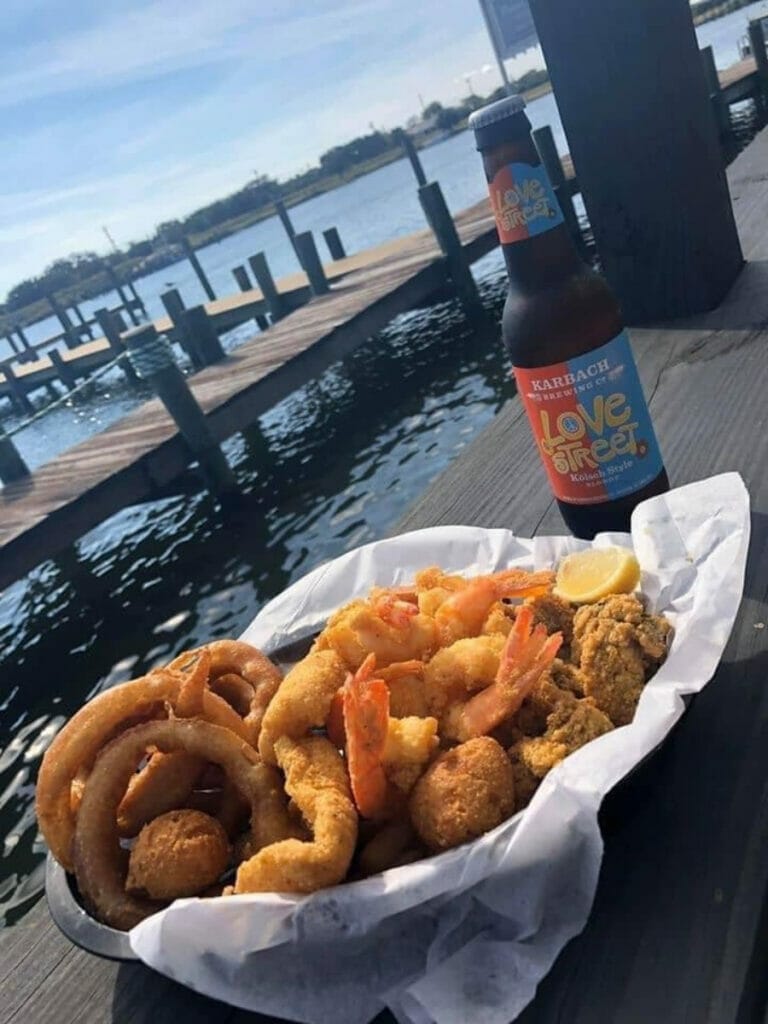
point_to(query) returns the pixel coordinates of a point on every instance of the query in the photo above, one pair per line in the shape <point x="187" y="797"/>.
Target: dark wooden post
<point x="153" y="360"/>
<point x="439" y="219"/>
<point x="125" y="300"/>
<point x="653" y="184"/>
<point x="334" y="243"/>
<point x="85" y="327"/>
<point x="546" y="147"/>
<point x="66" y="374"/>
<point x="17" y="390"/>
<point x="197" y="266"/>
<point x="410" y="151"/>
<point x="310" y="260"/>
<point x="757" y="44"/>
<point x="20" y="333"/>
<point x="173" y="304"/>
<point x="12" y="465"/>
<point x="111" y="323"/>
<point x="71" y="339"/>
<point x="197" y="327"/>
<point x="12" y="343"/>
<point x="285" y="220"/>
<point x="240" y="275"/>
<point x="716" y="97"/>
<point x="267" y="286"/>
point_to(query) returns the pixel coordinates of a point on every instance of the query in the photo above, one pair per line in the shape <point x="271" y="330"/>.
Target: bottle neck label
<point x="591" y="424"/>
<point x="523" y="202"/>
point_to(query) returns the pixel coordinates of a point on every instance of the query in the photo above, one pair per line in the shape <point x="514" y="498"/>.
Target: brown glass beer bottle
<point x="563" y="331"/>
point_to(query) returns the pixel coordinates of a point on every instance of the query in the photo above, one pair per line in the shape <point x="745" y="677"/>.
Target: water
<point x="163" y="576"/>
<point x="160" y="577"/>
<point x="371" y="209"/>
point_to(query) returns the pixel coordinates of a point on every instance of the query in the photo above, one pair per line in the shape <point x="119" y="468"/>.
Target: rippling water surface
<point x="333" y="466"/>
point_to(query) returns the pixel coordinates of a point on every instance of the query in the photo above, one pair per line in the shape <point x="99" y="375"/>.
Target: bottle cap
<point x="485" y="122"/>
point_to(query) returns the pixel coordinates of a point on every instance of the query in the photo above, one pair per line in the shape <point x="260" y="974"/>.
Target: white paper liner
<point x="467" y="935"/>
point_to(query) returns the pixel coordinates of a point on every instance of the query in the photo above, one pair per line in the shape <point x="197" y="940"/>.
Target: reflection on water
<point x="334" y="465"/>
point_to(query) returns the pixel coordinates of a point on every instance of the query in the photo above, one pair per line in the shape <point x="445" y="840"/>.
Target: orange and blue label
<point x="591" y="424"/>
<point x="523" y="202"/>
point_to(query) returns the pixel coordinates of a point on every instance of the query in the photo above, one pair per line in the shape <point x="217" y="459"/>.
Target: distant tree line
<point x="258" y="194"/>
<point x="704" y="10"/>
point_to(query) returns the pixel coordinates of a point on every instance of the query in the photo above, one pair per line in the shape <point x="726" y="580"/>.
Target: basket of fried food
<point x="421" y="717"/>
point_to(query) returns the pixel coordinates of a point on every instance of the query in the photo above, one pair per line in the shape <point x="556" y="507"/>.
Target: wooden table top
<point x="663" y="943"/>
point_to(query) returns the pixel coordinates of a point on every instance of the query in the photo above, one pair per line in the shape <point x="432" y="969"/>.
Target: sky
<point x="126" y="113"/>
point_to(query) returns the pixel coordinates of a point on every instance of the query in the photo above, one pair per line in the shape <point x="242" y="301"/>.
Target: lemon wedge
<point x="586" y="576"/>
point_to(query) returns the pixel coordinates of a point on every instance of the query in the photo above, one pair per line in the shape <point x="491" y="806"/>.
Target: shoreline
<point x="99" y="285"/>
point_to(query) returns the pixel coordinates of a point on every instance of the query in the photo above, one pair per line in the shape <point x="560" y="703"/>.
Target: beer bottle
<point x="564" y="335"/>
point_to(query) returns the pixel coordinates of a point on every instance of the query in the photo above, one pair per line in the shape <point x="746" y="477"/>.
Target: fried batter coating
<point x="465" y="792"/>
<point x="316" y="779"/>
<point x="407" y="689"/>
<point x="570" y="726"/>
<point x="179" y="854"/>
<point x="358" y="629"/>
<point x="526" y="782"/>
<point x="543" y="699"/>
<point x="455" y="672"/>
<point x="555" y="614"/>
<point x="618" y="647"/>
<point x="303" y="700"/>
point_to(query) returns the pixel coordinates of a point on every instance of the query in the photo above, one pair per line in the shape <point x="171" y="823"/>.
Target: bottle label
<point x="523" y="202"/>
<point x="591" y="424"/>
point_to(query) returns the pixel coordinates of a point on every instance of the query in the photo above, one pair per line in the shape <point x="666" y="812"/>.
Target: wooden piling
<point x="197" y="266"/>
<point x="173" y="304"/>
<point x="240" y="275"/>
<point x="439" y="219"/>
<point x="197" y="327"/>
<point x="112" y="326"/>
<point x="153" y="361"/>
<point x="334" y="243"/>
<point x="17" y="390"/>
<point x="13" y="343"/>
<point x="21" y="335"/>
<point x="12" y="465"/>
<point x="85" y="327"/>
<point x="71" y="338"/>
<point x="285" y="220"/>
<point x="125" y="300"/>
<point x="310" y="260"/>
<point x="66" y="374"/>
<point x="716" y="97"/>
<point x="757" y="44"/>
<point x="410" y="151"/>
<point x="657" y="197"/>
<point x="546" y="147"/>
<point x="267" y="286"/>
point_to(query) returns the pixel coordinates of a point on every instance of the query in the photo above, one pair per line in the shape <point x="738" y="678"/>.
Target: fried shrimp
<point x="465" y="792"/>
<point x="392" y="629"/>
<point x="465" y="611"/>
<point x="527" y="653"/>
<point x="303" y="700"/>
<point x="316" y="780"/>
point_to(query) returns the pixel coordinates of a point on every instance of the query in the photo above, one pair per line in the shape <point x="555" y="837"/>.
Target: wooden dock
<point x="130" y="461"/>
<point x="662" y="944"/>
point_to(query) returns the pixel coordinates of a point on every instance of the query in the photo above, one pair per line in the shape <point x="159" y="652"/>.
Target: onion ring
<point x="100" y="862"/>
<point x="234" y="657"/>
<point x="164" y="784"/>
